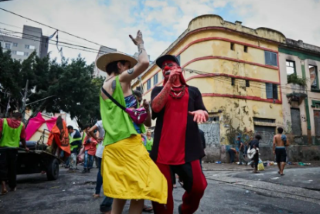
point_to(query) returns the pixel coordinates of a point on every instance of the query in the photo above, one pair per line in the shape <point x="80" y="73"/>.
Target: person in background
<point x="98" y="127"/>
<point x="75" y="145"/>
<point x="241" y="151"/>
<point x="149" y="142"/>
<point x="247" y="145"/>
<point x="203" y="140"/>
<point x="106" y="204"/>
<point x="279" y="149"/>
<point x="232" y="152"/>
<point x="12" y="131"/>
<point x="90" y="147"/>
<point x="254" y="144"/>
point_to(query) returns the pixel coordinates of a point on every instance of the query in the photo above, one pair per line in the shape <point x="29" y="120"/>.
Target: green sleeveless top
<point x="10" y="136"/>
<point x="117" y="124"/>
<point x="149" y="144"/>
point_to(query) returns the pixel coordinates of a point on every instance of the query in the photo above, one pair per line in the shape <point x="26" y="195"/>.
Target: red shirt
<point x="176" y="137"/>
<point x="90" y="147"/>
<point x="13" y="123"/>
<point x="173" y="135"/>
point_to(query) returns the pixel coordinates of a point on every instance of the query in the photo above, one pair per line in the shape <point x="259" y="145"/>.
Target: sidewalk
<point x="236" y="167"/>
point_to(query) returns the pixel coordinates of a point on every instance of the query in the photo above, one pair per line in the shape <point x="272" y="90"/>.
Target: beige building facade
<point x="236" y="69"/>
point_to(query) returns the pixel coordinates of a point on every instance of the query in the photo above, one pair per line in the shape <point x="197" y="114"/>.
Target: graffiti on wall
<point x="211" y="133"/>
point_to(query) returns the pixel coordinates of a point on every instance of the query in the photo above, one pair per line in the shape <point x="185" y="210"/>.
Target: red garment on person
<point x="172" y="141"/>
<point x="12" y="123"/>
<point x="90" y="147"/>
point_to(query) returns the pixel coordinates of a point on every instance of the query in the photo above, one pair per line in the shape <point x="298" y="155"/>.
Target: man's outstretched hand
<point x="199" y="116"/>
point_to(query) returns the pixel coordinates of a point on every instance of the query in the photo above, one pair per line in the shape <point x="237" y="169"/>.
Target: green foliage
<point x="69" y="85"/>
<point x="293" y="78"/>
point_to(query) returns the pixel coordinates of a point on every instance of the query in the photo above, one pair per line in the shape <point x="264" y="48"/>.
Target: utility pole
<point x="24" y="102"/>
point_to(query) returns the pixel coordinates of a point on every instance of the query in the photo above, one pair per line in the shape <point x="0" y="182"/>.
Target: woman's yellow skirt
<point x="129" y="173"/>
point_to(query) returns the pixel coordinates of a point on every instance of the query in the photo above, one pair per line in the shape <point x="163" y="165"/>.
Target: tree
<point x="66" y="86"/>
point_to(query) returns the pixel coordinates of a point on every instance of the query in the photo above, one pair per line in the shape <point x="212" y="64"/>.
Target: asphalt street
<point x="237" y="191"/>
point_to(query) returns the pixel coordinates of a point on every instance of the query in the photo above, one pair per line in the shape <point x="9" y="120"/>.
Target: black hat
<point x="164" y="58"/>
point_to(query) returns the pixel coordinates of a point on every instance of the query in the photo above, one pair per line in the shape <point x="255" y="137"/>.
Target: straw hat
<point x="105" y="59"/>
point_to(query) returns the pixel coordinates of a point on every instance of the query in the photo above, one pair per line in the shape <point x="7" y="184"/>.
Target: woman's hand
<point x="138" y="40"/>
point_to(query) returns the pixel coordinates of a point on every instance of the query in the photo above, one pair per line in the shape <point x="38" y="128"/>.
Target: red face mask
<point x="170" y="65"/>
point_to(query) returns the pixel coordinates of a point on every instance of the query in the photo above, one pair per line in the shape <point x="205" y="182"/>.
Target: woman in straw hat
<point x="127" y="170"/>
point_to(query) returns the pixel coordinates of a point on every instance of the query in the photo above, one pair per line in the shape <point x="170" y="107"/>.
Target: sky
<point x="109" y="22"/>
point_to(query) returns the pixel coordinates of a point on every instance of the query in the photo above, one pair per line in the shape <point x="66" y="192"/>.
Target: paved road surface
<point x="227" y="192"/>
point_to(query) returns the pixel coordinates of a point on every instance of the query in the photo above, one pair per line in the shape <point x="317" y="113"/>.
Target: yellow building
<point x="236" y="70"/>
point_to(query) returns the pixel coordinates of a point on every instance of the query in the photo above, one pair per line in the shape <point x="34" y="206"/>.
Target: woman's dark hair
<point x="112" y="67"/>
<point x="258" y="137"/>
<point x="137" y="93"/>
<point x="280" y="130"/>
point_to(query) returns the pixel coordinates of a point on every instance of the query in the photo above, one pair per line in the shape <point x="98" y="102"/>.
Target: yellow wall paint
<point x="237" y="115"/>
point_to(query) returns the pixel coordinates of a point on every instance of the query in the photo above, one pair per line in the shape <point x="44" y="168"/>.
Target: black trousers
<point x="256" y="160"/>
<point x="8" y="166"/>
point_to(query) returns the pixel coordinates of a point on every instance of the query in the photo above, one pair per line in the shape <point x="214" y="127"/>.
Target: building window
<point x="27" y="46"/>
<point x="213" y="119"/>
<point x="245" y="49"/>
<point x="7" y="45"/>
<point x="272" y="91"/>
<point x="270" y="58"/>
<point x="247" y="83"/>
<point x="20" y="53"/>
<point x="291" y="67"/>
<point x="26" y="53"/>
<point x="14" y="52"/>
<point x="232" y="46"/>
<point x="313" y="77"/>
<point x="32" y="47"/>
<point x="233" y="81"/>
<point x="15" y="44"/>
<point x="148" y="84"/>
<point x="155" y="79"/>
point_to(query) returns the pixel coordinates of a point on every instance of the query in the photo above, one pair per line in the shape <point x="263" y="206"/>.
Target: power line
<point x="50" y="40"/>
<point x="86" y="49"/>
<point x="52" y="27"/>
<point x="29" y="30"/>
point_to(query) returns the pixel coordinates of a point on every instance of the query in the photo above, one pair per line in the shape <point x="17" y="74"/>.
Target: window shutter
<point x="270" y="58"/>
<point x="275" y="91"/>
<point x="269" y="90"/>
<point x="274" y="59"/>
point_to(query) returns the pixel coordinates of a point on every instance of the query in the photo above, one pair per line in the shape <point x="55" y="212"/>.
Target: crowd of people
<point x="133" y="163"/>
<point x="249" y="150"/>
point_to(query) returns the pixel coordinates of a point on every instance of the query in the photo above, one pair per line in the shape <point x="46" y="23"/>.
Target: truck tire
<point x="53" y="170"/>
